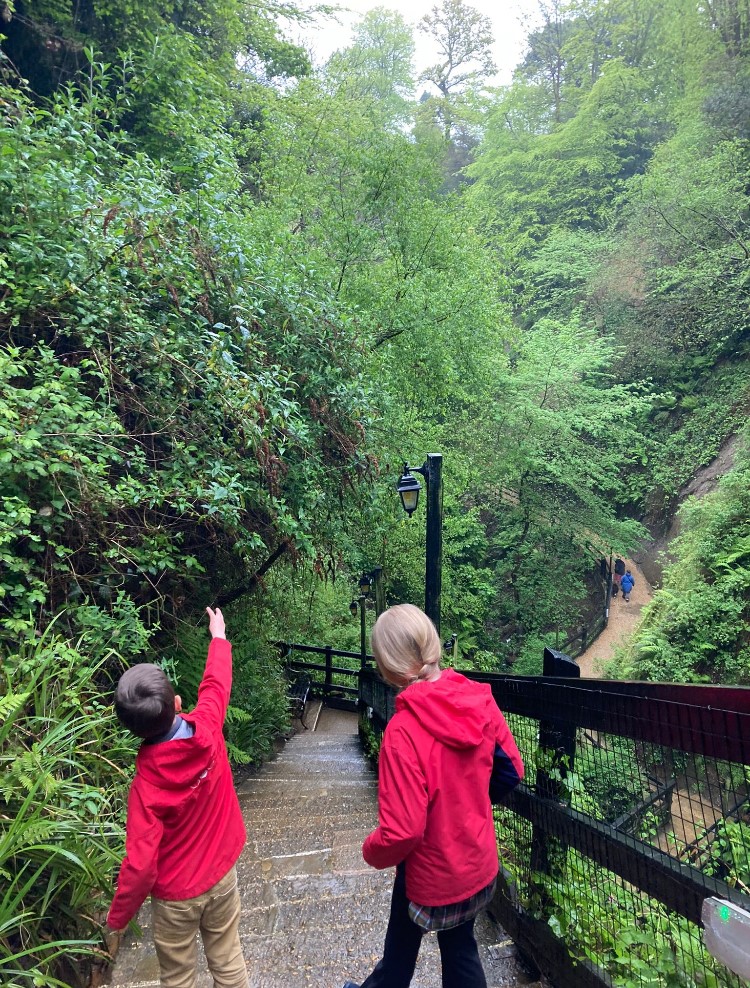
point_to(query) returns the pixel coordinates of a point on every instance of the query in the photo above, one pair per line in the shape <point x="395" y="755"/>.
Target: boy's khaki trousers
<point x="216" y="913"/>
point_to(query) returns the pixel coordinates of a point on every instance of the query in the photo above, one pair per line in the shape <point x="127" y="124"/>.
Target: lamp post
<point x="408" y="488"/>
<point x="366" y="582"/>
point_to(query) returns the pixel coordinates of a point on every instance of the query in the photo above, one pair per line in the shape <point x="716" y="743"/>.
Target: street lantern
<point x="408" y="489"/>
<point x="365" y="582"/>
<point x="353" y="608"/>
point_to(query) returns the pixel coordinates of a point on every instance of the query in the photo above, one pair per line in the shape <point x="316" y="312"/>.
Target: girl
<point x="441" y="750"/>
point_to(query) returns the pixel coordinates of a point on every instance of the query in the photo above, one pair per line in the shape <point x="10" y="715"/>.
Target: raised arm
<point x="216" y="685"/>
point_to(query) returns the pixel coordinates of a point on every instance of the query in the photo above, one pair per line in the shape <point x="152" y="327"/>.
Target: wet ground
<point x="313" y="912"/>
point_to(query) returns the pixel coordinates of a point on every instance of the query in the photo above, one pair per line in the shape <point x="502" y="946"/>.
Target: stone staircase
<point x="314" y="914"/>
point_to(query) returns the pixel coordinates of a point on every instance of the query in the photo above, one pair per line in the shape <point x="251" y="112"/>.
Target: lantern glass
<point x="409" y="500"/>
<point x="364" y="583"/>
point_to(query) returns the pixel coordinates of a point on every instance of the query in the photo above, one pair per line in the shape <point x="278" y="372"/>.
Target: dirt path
<point x="623" y="619"/>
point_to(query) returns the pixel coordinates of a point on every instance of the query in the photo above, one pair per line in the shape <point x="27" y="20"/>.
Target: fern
<point x="235" y="715"/>
<point x="237" y="755"/>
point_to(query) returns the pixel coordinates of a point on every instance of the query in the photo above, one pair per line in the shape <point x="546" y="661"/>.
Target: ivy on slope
<point x="179" y="402"/>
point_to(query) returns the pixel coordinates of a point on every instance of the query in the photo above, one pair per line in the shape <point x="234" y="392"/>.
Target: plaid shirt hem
<point x="433" y="918"/>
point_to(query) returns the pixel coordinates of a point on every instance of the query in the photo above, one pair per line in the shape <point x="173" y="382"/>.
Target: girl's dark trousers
<point x="458" y="949"/>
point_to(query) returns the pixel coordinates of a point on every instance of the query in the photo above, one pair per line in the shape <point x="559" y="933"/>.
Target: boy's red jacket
<point x="433" y="792"/>
<point x="184" y="828"/>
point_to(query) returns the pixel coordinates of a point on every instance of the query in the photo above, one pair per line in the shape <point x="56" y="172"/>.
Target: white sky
<point x="506" y="16"/>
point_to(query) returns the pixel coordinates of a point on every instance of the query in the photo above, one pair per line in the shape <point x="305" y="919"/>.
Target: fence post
<point x="608" y="591"/>
<point x="329" y="669"/>
<point x="557" y="743"/>
<point x="377" y="578"/>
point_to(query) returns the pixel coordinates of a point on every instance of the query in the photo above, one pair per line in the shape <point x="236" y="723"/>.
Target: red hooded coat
<point x="434" y="774"/>
<point x="184" y="828"/>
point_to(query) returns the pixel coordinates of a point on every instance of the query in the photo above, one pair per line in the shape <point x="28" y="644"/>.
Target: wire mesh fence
<point x="635" y="808"/>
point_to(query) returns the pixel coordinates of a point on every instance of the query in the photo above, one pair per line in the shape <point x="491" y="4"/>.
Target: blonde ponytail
<point x="406" y="645"/>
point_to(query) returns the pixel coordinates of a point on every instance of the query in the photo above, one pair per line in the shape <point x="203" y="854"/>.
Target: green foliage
<point x="201" y="43"/>
<point x="611" y="782"/>
<point x="696" y="627"/>
<point x="194" y="421"/>
<point x="62" y="799"/>
<point x="378" y="65"/>
<point x="552" y="453"/>
<point x="530" y="182"/>
<point x="231" y="311"/>
<point x="649" y="946"/>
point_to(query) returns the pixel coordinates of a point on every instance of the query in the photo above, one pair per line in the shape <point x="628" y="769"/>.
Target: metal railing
<point x="635" y="809"/>
<point x="328" y="680"/>
<point x="580" y="639"/>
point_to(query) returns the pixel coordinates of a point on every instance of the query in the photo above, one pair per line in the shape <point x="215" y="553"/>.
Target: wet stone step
<point x="332" y="886"/>
<point x="260" y="850"/>
<point x="271" y="827"/>
<point x="303" y="771"/>
<point x="278" y="823"/>
<point x="326" y="801"/>
<point x="310" y="914"/>
<point x="283" y="791"/>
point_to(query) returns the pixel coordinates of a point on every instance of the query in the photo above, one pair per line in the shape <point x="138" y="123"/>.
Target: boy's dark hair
<point x="144" y="701"/>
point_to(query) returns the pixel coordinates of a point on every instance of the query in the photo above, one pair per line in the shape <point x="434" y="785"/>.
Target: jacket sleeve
<point x="507" y="766"/>
<point x="216" y="685"/>
<point x="402" y="801"/>
<point x="138" y="869"/>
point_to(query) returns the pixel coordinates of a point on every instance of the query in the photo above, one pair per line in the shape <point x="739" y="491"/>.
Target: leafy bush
<point x="62" y="793"/>
<point x="177" y="400"/>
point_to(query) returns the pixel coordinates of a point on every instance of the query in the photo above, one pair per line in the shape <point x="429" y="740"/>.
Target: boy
<point x="184" y="828"/>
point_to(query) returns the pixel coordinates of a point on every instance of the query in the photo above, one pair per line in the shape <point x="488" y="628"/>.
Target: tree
<point x="545" y="63"/>
<point x="731" y="20"/>
<point x="180" y="62"/>
<point x="379" y="65"/>
<point x="529" y="184"/>
<point x="464" y="38"/>
<point x="555" y="455"/>
<point x="178" y="401"/>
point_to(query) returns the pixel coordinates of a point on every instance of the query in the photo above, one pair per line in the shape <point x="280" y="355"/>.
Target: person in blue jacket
<point x="626" y="584"/>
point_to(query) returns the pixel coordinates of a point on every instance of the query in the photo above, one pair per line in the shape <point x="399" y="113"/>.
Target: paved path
<point x="623" y="619"/>
<point x="314" y="914"/>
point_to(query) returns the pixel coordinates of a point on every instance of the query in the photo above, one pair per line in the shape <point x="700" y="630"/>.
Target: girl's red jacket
<point x="184" y="828"/>
<point x="434" y="776"/>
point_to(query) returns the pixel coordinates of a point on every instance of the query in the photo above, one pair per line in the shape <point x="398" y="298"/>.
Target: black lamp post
<point x="365" y="584"/>
<point x="408" y="488"/>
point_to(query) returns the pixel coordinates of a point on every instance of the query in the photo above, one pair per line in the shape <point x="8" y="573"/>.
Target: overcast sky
<point x="506" y="16"/>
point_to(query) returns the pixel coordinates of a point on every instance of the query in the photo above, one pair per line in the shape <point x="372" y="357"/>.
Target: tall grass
<point x="63" y="781"/>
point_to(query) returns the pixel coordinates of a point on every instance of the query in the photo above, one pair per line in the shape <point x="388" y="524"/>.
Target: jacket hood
<point x="177" y="765"/>
<point x="453" y="709"/>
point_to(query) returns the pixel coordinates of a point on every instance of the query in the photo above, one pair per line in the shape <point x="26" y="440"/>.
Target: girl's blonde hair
<point x="406" y="645"/>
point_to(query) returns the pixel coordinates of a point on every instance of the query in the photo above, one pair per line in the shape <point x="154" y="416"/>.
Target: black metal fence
<point x="328" y="680"/>
<point x="635" y="808"/>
